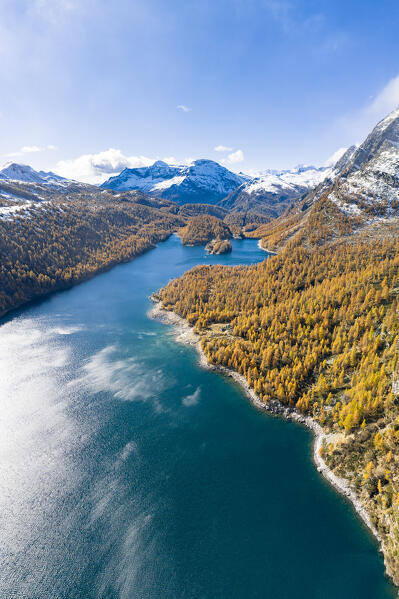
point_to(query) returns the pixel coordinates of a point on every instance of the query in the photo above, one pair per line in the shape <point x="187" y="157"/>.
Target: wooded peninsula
<point x="316" y="330"/>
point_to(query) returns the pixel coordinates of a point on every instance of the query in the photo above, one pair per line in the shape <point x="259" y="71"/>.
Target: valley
<point x="199" y="299"/>
<point x="56" y="232"/>
<point x="130" y="470"/>
<point x="313" y="330"/>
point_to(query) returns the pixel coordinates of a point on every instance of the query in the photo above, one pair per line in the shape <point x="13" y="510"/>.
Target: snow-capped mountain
<point x="370" y="182"/>
<point x="22" y="172"/>
<point x="201" y="181"/>
<point x="386" y="130"/>
<point x="363" y="193"/>
<point x="272" y="191"/>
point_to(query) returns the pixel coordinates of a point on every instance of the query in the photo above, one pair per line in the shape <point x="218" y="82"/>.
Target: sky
<point x="88" y="87"/>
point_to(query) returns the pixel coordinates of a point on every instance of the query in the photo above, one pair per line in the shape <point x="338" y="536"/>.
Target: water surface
<point x="129" y="472"/>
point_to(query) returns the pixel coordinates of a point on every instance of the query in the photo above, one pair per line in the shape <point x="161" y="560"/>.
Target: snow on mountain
<point x="385" y="130"/>
<point x="364" y="187"/>
<point x="204" y="181"/>
<point x="272" y="191"/>
<point x="370" y="182"/>
<point x="208" y="181"/>
<point x="22" y="172"/>
<point x="297" y="180"/>
<point x="201" y="181"/>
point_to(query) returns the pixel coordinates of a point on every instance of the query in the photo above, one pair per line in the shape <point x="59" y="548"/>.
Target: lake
<point x="127" y="471"/>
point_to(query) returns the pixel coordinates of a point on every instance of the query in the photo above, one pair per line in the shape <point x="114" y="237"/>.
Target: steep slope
<point x="363" y="194"/>
<point x="373" y="188"/>
<point x="201" y="181"/>
<point x="385" y="130"/>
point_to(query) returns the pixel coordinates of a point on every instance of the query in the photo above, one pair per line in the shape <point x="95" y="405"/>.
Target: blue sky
<point x="88" y="87"/>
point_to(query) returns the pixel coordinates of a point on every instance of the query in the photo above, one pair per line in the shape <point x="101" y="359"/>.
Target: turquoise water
<point x="128" y="471"/>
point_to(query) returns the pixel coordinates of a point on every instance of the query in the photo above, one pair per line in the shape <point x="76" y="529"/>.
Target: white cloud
<point x="54" y="11"/>
<point x="96" y="168"/>
<point x="285" y="13"/>
<point x="386" y="101"/>
<point x="359" y="125"/>
<point x="222" y="149"/>
<point x="193" y="399"/>
<point x="235" y="157"/>
<point x="30" y="150"/>
<point x="170" y="159"/>
<point x="333" y="159"/>
<point x="183" y="108"/>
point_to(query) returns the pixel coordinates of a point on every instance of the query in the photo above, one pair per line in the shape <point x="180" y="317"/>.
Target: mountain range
<point x="201" y="181"/>
<point x="207" y="181"/>
<point x="363" y="194"/>
<point x="315" y="327"/>
<point x="362" y="185"/>
<point x="273" y="191"/>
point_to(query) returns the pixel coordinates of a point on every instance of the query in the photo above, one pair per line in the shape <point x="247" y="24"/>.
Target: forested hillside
<point x="201" y="229"/>
<point x="319" y="332"/>
<point x="312" y="227"/>
<point x="52" y="245"/>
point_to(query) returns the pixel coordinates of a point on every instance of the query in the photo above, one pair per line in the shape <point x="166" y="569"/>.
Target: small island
<point x="202" y="229"/>
<point x="218" y="246"/>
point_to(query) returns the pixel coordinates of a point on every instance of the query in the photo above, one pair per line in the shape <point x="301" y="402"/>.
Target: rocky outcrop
<point x="218" y="246"/>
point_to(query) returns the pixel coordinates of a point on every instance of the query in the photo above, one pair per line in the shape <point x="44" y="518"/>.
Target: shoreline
<point x="185" y="334"/>
<point x="13" y="311"/>
<point x="264" y="249"/>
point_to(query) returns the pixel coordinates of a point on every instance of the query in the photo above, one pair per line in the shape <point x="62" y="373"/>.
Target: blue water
<point x="128" y="471"/>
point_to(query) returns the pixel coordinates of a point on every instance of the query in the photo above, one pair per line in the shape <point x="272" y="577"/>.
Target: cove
<point x="127" y="471"/>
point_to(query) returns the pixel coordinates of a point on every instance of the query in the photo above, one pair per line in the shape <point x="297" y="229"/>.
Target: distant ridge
<point x="22" y="172"/>
<point x="201" y="181"/>
<point x="269" y="193"/>
<point x="273" y="191"/>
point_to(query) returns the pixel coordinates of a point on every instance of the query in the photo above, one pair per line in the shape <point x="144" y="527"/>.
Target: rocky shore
<point x="184" y="333"/>
<point x="260" y="246"/>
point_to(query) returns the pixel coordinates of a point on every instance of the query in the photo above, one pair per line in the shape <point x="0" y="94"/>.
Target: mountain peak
<point x="336" y="157"/>
<point x="201" y="181"/>
<point x="16" y="167"/>
<point x="363" y="192"/>
<point x="159" y="163"/>
<point x="386" y="130"/>
<point x="23" y="172"/>
<point x="388" y="120"/>
<point x="206" y="161"/>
